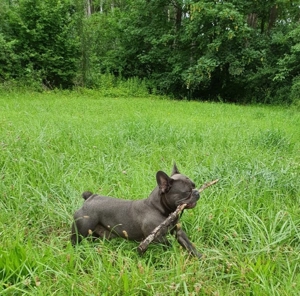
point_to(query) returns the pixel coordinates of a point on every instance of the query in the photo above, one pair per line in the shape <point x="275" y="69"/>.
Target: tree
<point x="230" y="50"/>
<point x="45" y="41"/>
<point x="209" y="49"/>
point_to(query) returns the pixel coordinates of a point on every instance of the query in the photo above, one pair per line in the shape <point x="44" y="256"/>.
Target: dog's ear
<point x="175" y="170"/>
<point x="164" y="182"/>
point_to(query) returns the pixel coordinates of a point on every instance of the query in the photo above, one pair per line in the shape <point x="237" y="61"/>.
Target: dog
<point x="109" y="217"/>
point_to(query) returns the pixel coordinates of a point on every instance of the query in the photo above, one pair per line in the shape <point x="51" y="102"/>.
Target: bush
<point x="40" y="43"/>
<point x="295" y="91"/>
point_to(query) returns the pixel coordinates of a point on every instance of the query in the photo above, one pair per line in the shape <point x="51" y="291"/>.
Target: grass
<point x="55" y="145"/>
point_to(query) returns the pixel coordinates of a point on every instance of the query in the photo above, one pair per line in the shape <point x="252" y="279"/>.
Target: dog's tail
<point x="86" y="194"/>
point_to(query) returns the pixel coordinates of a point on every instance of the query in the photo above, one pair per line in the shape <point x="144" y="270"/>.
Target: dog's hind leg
<point x="101" y="232"/>
<point x="83" y="226"/>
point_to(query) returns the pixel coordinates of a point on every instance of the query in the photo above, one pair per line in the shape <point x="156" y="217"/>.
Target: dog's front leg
<point x="184" y="241"/>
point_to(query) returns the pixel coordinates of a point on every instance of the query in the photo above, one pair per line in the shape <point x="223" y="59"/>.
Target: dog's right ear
<point x="164" y="182"/>
<point x="175" y="170"/>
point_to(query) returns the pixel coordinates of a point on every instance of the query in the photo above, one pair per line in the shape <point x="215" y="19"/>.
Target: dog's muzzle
<point x="195" y="195"/>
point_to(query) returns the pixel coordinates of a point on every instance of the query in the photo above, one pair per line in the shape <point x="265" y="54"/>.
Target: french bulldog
<point x="109" y="217"/>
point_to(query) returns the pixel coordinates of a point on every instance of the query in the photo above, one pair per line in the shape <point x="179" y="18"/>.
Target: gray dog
<point x="108" y="217"/>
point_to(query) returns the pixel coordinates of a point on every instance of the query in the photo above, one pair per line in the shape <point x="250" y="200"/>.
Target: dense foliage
<point x="240" y="51"/>
<point x="38" y="42"/>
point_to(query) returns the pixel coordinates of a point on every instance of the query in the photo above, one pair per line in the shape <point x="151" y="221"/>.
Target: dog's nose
<point x="196" y="194"/>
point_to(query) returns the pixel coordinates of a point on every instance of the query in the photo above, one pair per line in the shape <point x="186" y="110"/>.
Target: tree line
<point x="234" y="51"/>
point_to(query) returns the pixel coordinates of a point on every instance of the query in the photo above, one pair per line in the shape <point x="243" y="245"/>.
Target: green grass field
<point x="54" y="146"/>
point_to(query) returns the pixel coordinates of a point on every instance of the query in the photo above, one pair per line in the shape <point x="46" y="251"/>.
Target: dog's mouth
<point x="191" y="205"/>
<point x="192" y="200"/>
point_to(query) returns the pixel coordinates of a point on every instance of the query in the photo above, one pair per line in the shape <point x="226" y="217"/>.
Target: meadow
<point x="55" y="145"/>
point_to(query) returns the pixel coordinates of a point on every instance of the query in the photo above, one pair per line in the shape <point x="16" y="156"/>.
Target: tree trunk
<point x="178" y="17"/>
<point x="273" y="17"/>
<point x="88" y="8"/>
<point x="101" y="6"/>
<point x="252" y="20"/>
<point x="262" y="25"/>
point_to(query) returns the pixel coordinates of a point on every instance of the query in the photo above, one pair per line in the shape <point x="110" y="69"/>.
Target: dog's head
<point x="176" y="190"/>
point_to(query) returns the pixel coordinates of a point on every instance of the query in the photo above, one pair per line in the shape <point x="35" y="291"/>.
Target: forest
<point x="231" y="51"/>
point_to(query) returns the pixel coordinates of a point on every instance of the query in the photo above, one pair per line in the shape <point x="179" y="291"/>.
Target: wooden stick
<point x="142" y="248"/>
<point x="204" y="186"/>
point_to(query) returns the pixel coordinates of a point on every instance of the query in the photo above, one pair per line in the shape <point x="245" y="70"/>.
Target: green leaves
<point x="43" y="31"/>
<point x="239" y="51"/>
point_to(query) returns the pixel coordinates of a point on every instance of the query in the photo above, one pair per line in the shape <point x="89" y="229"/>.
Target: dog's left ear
<point x="164" y="182"/>
<point x="175" y="170"/>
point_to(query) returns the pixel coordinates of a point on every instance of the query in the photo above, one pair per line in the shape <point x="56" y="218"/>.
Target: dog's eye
<point x="193" y="185"/>
<point x="188" y="193"/>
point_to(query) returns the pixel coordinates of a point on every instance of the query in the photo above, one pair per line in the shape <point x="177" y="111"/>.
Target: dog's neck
<point x="166" y="207"/>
